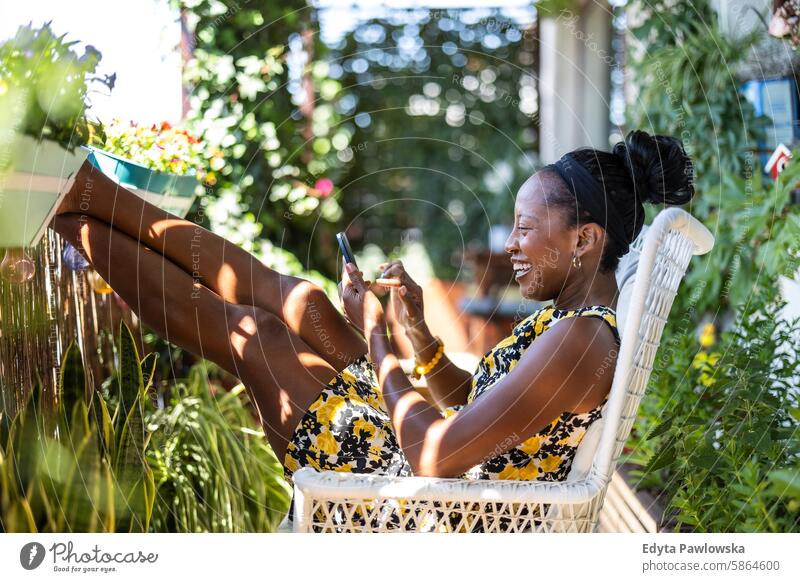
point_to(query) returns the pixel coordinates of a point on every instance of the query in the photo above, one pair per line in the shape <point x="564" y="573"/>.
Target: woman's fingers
<point x="376" y="288"/>
<point x="388" y="282"/>
<point x="396" y="271"/>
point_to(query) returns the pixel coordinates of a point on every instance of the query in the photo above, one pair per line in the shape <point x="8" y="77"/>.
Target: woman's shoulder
<point x="603" y="312"/>
<point x="545" y="316"/>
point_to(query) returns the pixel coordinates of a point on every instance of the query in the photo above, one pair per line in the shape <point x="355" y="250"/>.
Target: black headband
<point x="591" y="196"/>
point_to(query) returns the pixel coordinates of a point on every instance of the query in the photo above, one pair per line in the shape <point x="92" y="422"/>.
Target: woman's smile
<point x="521" y="268"/>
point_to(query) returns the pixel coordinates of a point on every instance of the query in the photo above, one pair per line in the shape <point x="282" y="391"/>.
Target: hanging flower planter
<point x="170" y="192"/>
<point x="43" y="97"/>
<point x="41" y="175"/>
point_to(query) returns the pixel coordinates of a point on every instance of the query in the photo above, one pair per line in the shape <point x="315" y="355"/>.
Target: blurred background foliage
<point x="419" y="125"/>
<point x="256" y="93"/>
<point x="442" y="109"/>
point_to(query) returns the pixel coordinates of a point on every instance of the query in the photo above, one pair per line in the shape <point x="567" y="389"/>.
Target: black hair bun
<point x="661" y="171"/>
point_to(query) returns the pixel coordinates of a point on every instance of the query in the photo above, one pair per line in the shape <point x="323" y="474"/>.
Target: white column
<point x="574" y="79"/>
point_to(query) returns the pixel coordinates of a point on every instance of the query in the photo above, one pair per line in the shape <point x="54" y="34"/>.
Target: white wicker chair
<point x="648" y="278"/>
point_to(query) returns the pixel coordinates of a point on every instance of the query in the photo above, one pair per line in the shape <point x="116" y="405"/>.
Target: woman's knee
<point x="303" y="300"/>
<point x="251" y="326"/>
<point x="73" y="227"/>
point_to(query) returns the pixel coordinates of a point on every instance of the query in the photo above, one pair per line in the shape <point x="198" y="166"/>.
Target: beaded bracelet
<point x="422" y="369"/>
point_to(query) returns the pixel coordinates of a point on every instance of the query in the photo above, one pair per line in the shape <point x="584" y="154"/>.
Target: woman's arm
<point x="558" y="373"/>
<point x="448" y="384"/>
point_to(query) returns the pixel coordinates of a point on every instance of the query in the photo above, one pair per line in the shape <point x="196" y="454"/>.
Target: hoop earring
<point x="575" y="264"/>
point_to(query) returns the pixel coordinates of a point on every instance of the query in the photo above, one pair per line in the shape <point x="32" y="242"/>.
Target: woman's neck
<point x="601" y="289"/>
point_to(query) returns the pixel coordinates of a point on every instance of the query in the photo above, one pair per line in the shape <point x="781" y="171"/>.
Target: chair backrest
<point x="648" y="278"/>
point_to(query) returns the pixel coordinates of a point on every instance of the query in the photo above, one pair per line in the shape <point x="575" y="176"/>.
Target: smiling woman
<point x="520" y="415"/>
<point x="537" y="401"/>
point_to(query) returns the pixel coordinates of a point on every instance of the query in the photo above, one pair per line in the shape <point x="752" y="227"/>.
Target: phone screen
<point x="344" y="245"/>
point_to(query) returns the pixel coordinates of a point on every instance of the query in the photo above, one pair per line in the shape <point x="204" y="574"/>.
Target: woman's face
<point x="540" y="244"/>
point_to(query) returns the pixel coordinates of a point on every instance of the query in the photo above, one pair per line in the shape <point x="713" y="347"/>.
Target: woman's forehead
<point x="531" y="197"/>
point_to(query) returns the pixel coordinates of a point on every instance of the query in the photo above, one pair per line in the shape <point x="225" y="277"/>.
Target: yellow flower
<point x="529" y="472"/>
<point x="706" y="380"/>
<point x="705" y="362"/>
<point x="707" y="335"/>
<point x="506" y="342"/>
<point x="328" y="410"/>
<point x="700" y="358"/>
<point x="361" y="425"/>
<point x="510" y="472"/>
<point x="291" y="463"/>
<point x="531" y="446"/>
<point x="327" y="444"/>
<point x="550" y="463"/>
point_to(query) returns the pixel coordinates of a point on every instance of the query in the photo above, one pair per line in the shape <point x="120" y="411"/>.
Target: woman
<point x="523" y="412"/>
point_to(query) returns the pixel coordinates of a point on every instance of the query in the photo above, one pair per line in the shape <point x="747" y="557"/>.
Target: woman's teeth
<point x="521" y="269"/>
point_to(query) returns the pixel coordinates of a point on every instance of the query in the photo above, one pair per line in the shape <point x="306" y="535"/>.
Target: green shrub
<point x="214" y="470"/>
<point x="81" y="467"/>
<point x="727" y="447"/>
<point x="726" y="457"/>
<point x="114" y="463"/>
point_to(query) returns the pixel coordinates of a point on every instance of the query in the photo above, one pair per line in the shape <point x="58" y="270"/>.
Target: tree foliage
<point x="442" y="110"/>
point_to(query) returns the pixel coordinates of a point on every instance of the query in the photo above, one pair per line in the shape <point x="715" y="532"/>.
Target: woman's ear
<point x="590" y="236"/>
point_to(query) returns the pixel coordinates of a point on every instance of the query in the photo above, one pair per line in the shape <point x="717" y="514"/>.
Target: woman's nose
<point x="510" y="245"/>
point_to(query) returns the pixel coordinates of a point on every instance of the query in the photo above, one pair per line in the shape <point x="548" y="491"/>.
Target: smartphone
<point x="344" y="245"/>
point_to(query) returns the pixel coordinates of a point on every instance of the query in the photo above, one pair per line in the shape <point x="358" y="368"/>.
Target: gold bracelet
<point x="422" y="369"/>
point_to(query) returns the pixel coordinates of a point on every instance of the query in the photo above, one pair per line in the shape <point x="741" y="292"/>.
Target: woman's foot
<point x="79" y="196"/>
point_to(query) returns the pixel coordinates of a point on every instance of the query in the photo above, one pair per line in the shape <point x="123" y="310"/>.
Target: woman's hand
<point x="360" y="305"/>
<point x="406" y="295"/>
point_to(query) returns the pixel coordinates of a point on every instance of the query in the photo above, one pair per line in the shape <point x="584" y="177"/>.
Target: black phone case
<point x="344" y="246"/>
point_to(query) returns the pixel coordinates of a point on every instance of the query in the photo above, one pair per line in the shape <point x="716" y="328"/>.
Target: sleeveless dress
<point x="348" y="428"/>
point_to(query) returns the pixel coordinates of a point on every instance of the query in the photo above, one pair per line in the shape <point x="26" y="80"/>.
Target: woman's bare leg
<point x="232" y="273"/>
<point x="282" y="373"/>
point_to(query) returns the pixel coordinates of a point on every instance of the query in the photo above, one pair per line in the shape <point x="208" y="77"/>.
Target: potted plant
<point x="43" y="124"/>
<point x="159" y="162"/>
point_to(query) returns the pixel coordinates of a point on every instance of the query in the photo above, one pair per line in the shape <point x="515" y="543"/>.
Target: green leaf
<point x="151" y="375"/>
<point x="661" y="428"/>
<point x="787" y="481"/>
<point x="706" y="458"/>
<point x="129" y="377"/>
<point x="662" y="458"/>
<point x="72" y="378"/>
<point x="105" y="426"/>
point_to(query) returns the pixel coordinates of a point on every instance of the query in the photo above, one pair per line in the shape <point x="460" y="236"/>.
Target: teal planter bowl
<point x="170" y="192"/>
<point x="39" y="176"/>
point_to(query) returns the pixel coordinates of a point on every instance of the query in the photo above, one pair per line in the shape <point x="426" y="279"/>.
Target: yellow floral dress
<point x="348" y="427"/>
